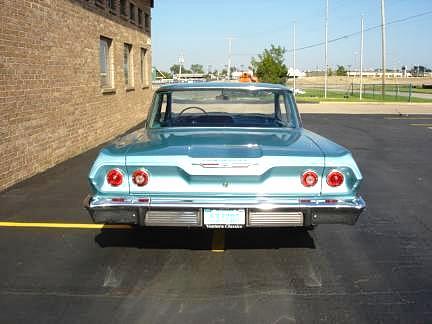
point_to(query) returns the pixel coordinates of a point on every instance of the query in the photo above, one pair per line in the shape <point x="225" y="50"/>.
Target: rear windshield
<point x="222" y="108"/>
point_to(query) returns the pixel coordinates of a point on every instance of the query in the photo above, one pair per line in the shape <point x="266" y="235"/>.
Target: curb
<point x="373" y="103"/>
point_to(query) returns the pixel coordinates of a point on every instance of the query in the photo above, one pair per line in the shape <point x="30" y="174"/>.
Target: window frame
<point x="144" y="70"/>
<point x="111" y="5"/>
<point x="147" y="23"/>
<point x="123" y="8"/>
<point x="108" y="60"/>
<point x="128" y="66"/>
<point x="132" y="12"/>
<point x="100" y="3"/>
<point x="291" y="110"/>
<point x="140" y="14"/>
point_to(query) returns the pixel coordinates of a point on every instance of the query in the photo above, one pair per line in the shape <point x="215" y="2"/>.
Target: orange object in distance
<point x="247" y="77"/>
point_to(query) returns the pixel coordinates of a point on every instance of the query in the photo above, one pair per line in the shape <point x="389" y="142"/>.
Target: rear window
<point x="222" y="108"/>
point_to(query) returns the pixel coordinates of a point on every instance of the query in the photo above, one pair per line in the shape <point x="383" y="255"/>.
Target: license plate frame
<point x="224" y="217"/>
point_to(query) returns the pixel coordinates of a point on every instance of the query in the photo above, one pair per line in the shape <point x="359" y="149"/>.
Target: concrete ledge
<point x="366" y="108"/>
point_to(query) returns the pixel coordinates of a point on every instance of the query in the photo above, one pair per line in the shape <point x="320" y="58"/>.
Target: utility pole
<point x="361" y="58"/>
<point x="294" y="58"/>
<point x="230" y="39"/>
<point x="326" y="50"/>
<point x="383" y="34"/>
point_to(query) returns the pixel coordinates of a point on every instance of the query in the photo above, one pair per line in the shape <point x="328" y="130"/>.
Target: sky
<point x="199" y="29"/>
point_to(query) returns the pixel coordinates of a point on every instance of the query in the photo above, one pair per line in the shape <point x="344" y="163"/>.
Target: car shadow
<point x="202" y="239"/>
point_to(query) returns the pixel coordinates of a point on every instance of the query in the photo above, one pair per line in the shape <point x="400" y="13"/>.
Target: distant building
<point x="420" y="71"/>
<point x="236" y="75"/>
<point x="190" y="76"/>
<point x="295" y="73"/>
<point x="73" y="74"/>
<point x="376" y="74"/>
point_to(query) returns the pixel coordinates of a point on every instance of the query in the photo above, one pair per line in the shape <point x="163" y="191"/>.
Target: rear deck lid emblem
<point x="225" y="165"/>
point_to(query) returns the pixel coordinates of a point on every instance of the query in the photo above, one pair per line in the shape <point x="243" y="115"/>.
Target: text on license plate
<point x="224" y="217"/>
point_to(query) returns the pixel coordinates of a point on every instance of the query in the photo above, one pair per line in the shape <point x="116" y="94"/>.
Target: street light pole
<point x="326" y="51"/>
<point x="294" y="58"/>
<point x="361" y="58"/>
<point x="230" y="39"/>
<point x="181" y="62"/>
<point x="383" y="34"/>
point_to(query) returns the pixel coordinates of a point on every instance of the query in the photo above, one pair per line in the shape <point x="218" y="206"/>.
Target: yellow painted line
<point x="64" y="225"/>
<point x="424" y="125"/>
<point x="408" y="118"/>
<point x="218" y="241"/>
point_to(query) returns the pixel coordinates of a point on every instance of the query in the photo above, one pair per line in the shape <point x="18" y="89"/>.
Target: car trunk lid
<point x="231" y="161"/>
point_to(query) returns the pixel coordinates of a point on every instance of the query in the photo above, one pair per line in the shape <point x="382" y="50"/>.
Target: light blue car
<point x="224" y="155"/>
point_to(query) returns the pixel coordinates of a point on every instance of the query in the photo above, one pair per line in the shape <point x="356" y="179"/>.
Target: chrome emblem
<point x="225" y="165"/>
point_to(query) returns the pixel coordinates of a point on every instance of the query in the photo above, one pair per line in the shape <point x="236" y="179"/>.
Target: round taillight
<point x="140" y="177"/>
<point x="115" y="177"/>
<point x="335" y="179"/>
<point x="309" y="178"/>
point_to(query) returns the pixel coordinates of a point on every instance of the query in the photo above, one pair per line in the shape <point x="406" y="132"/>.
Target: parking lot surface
<point x="376" y="271"/>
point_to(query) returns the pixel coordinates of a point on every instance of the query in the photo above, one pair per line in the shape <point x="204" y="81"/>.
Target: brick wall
<point x="51" y="104"/>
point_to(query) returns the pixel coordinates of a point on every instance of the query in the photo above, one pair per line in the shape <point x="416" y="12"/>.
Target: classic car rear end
<point x="224" y="155"/>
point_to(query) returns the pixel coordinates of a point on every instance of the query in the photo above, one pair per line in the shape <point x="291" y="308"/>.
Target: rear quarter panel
<point x="340" y="158"/>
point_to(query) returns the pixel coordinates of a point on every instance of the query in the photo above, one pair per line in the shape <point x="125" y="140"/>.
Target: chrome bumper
<point x="272" y="212"/>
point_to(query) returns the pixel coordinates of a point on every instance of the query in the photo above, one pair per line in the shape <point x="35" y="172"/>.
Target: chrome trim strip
<point x="224" y="165"/>
<point x="357" y="203"/>
<point x="96" y="203"/>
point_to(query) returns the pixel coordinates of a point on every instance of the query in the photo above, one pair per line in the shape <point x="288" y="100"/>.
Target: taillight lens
<point x="114" y="177"/>
<point x="309" y="178"/>
<point x="140" y="177"/>
<point x="335" y="178"/>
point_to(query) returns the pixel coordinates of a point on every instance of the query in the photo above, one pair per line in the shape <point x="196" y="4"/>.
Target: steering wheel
<point x="192" y="107"/>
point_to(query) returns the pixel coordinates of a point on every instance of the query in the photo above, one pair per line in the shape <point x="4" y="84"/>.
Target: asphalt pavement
<point x="378" y="271"/>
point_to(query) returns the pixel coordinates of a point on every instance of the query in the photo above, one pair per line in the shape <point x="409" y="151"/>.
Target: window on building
<point x="127" y="65"/>
<point x="140" y="17"/>
<point x="144" y="70"/>
<point x="132" y="12"/>
<point x="105" y="62"/>
<point x="147" y="21"/>
<point x="123" y="7"/>
<point x="100" y="3"/>
<point x="111" y="5"/>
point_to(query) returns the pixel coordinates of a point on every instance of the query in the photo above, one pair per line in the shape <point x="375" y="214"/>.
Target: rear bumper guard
<point x="189" y="212"/>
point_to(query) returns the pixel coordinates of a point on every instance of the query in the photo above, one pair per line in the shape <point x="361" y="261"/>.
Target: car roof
<point x="223" y="85"/>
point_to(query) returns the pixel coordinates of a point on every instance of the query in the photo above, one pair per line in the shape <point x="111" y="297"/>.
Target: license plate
<point x="224" y="218"/>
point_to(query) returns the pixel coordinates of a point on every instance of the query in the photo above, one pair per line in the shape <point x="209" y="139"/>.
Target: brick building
<point x="73" y="74"/>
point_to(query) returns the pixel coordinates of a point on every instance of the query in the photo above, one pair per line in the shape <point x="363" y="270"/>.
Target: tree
<point x="175" y="69"/>
<point x="341" y="71"/>
<point x="197" y="68"/>
<point x="269" y="66"/>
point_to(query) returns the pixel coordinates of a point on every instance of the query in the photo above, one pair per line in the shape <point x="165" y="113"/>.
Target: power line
<point x="397" y="21"/>
<point x="366" y="30"/>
